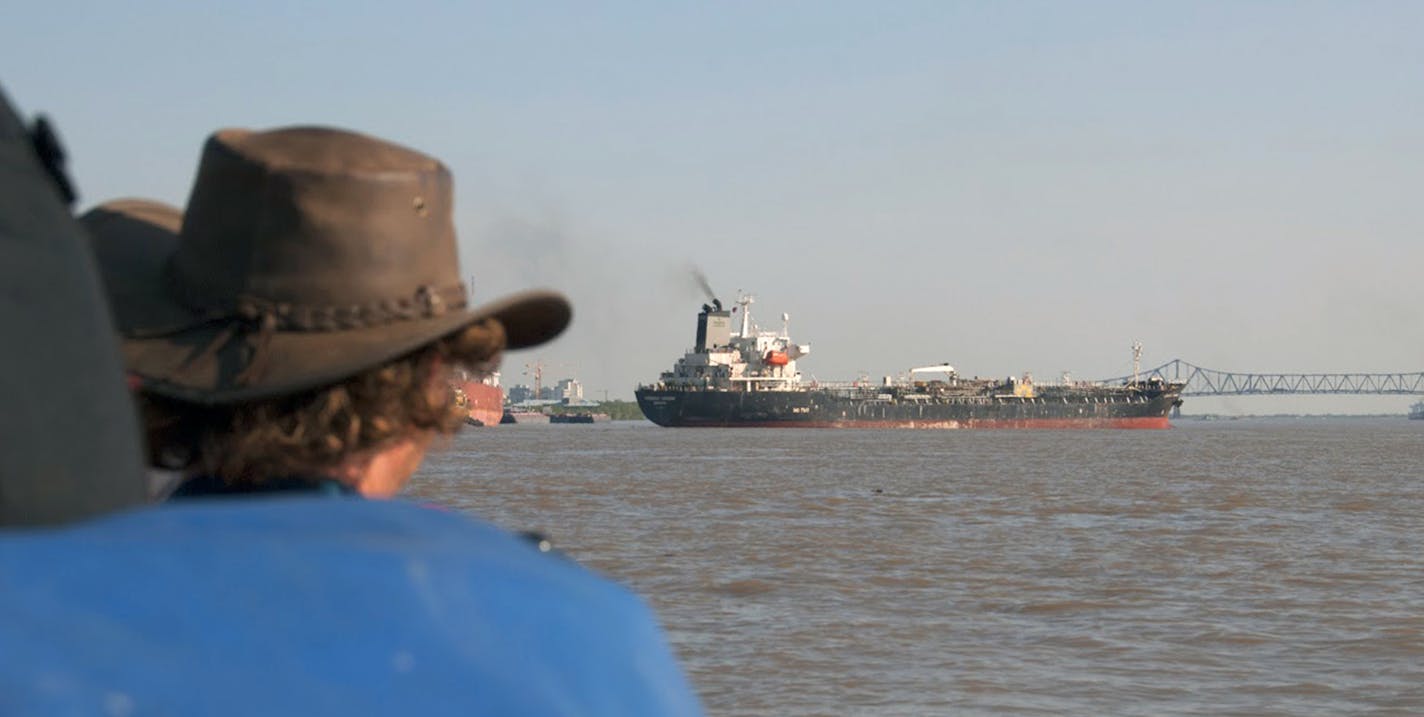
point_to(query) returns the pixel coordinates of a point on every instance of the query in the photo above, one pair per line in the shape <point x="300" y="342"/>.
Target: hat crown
<point x="306" y="255"/>
<point x="314" y="218"/>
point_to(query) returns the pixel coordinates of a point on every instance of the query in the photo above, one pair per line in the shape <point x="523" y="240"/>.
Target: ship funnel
<point x="714" y="327"/>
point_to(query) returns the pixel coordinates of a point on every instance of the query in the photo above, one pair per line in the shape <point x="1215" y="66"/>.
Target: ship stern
<point x="658" y="406"/>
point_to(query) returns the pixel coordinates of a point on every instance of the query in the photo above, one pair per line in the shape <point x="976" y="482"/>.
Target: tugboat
<point x="747" y="377"/>
<point x="1416" y="411"/>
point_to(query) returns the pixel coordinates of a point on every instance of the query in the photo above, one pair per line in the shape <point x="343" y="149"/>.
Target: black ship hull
<point x="819" y="408"/>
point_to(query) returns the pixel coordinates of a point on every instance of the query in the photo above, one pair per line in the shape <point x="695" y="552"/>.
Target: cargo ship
<point x="745" y="377"/>
<point x="479" y="397"/>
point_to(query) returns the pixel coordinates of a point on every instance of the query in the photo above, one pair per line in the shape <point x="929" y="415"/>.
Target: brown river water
<point x="1235" y="567"/>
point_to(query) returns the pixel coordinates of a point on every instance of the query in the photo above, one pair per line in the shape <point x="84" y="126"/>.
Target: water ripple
<point x="1244" y="567"/>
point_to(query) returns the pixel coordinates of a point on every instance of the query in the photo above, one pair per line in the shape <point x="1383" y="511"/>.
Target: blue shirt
<point x="318" y="605"/>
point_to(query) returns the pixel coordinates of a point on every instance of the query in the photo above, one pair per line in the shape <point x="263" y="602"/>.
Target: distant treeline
<point x="616" y="410"/>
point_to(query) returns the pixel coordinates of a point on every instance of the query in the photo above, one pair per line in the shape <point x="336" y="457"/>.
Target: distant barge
<point x="578" y="417"/>
<point x="748" y="378"/>
<point x="523" y="417"/>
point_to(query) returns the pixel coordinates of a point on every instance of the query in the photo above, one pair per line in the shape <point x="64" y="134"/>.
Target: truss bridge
<point x="1211" y="382"/>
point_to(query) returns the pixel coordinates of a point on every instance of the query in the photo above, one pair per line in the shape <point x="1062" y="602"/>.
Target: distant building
<point x="569" y="391"/>
<point x="518" y="394"/>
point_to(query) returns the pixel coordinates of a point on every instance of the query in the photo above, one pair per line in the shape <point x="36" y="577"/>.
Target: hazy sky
<point x="1006" y="186"/>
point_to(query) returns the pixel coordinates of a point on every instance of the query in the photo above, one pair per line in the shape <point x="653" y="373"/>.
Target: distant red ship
<point x="481" y="398"/>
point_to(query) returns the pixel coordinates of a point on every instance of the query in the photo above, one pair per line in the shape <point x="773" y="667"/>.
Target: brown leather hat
<point x="306" y="255"/>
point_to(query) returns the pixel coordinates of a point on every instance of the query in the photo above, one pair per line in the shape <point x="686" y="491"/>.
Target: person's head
<point x="302" y="315"/>
<point x="369" y="431"/>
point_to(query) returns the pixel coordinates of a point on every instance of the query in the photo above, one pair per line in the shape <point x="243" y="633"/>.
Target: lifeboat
<point x="777" y="358"/>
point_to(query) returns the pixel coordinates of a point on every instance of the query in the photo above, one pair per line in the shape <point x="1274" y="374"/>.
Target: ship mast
<point x="745" y="301"/>
<point x="1136" y="359"/>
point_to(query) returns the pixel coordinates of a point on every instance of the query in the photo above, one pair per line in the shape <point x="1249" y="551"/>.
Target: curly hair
<point x="310" y="432"/>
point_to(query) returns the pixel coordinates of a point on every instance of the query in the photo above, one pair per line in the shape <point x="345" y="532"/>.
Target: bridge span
<point x="1211" y="382"/>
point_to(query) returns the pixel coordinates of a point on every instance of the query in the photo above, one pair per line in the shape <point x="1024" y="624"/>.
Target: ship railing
<point x="845" y="388"/>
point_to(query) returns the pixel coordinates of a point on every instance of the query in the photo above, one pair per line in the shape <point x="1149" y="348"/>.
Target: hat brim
<point x="165" y="342"/>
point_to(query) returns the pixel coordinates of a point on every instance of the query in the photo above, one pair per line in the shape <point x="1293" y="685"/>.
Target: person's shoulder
<point x="330" y="603"/>
<point x="331" y="537"/>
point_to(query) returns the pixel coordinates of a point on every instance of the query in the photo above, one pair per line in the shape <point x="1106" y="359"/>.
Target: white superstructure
<point x="748" y="359"/>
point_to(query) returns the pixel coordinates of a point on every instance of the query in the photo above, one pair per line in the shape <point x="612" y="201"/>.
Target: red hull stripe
<point x="1141" y="422"/>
